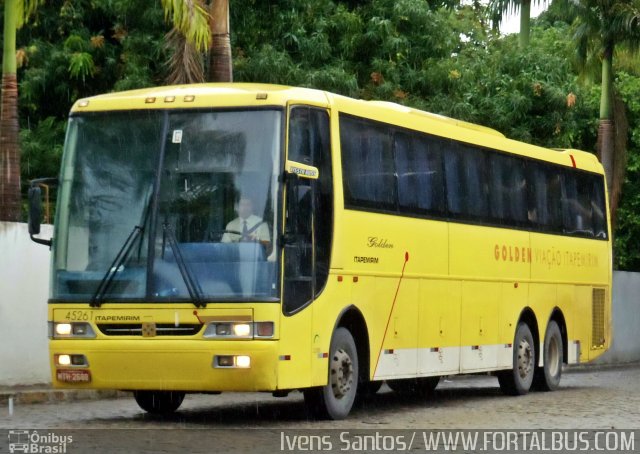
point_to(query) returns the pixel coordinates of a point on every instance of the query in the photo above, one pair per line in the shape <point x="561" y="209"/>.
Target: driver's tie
<point x="245" y="231"/>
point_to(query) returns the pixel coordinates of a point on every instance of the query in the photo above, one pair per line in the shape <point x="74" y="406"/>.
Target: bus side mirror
<point x="35" y="210"/>
<point x="35" y="207"/>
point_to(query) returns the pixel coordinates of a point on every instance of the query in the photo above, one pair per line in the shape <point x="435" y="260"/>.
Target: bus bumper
<point x="185" y="365"/>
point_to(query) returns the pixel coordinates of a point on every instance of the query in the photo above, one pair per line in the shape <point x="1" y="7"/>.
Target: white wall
<point x="24" y="288"/>
<point x="625" y="346"/>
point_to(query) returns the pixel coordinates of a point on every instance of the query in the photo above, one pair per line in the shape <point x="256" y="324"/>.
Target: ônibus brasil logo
<point x="32" y="442"/>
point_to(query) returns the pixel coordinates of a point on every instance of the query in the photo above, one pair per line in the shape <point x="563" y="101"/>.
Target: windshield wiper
<point x="123" y="253"/>
<point x="108" y="277"/>
<point x="192" y="284"/>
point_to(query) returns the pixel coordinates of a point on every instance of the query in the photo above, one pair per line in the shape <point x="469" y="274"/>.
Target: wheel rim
<point x="341" y="373"/>
<point x="525" y="359"/>
<point x="553" y="357"/>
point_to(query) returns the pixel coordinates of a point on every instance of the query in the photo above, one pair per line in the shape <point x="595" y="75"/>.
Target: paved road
<point x="605" y="398"/>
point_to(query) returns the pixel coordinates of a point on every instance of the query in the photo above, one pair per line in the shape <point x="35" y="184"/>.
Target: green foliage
<point x="41" y="148"/>
<point x="77" y="49"/>
<point x="81" y="65"/>
<point x="627" y="235"/>
<point x="532" y="96"/>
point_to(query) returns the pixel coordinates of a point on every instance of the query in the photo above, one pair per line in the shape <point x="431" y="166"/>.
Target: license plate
<point x="73" y="376"/>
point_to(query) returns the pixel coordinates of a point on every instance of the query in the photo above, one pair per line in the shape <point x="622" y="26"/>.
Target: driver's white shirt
<point x="261" y="233"/>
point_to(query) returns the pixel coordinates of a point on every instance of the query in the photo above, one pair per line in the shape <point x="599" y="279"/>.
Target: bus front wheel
<point x="335" y="399"/>
<point x="159" y="402"/>
<point x="517" y="381"/>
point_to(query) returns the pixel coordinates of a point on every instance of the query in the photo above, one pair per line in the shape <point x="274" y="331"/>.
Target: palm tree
<point x="499" y="8"/>
<point x="16" y="13"/>
<point x="191" y="35"/>
<point x="601" y="27"/>
<point x="220" y="62"/>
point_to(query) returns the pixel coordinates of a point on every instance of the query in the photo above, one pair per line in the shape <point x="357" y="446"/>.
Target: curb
<point x="43" y="394"/>
<point x="593" y="367"/>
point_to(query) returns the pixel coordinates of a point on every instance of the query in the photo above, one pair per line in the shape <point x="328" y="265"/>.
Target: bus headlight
<point x="63" y="329"/>
<point x="229" y="330"/>
<point x="71" y="330"/>
<point x="242" y="329"/>
<point x="239" y="330"/>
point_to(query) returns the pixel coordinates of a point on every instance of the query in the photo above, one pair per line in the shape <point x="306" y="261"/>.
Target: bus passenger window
<point x="367" y="159"/>
<point x="467" y="182"/>
<point x="419" y="168"/>
<point x="508" y="190"/>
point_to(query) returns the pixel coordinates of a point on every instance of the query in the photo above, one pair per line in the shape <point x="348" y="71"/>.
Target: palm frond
<point x="26" y="10"/>
<point x="185" y="64"/>
<point x="500" y="8"/>
<point x="192" y="19"/>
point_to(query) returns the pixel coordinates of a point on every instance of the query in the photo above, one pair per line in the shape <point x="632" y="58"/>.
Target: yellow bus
<point x="244" y="237"/>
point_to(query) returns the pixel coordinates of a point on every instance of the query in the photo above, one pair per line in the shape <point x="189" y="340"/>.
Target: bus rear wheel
<point x="159" y="402"/>
<point x="335" y="399"/>
<point x="517" y="381"/>
<point x="547" y="377"/>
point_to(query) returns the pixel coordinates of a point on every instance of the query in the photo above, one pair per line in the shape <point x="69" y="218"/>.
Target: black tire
<point x="547" y="377"/>
<point x="517" y="381"/>
<point x="423" y="386"/>
<point x="159" y="402"/>
<point x="335" y="399"/>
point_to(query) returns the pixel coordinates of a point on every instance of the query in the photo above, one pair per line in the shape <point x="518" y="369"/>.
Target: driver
<point x="247" y="226"/>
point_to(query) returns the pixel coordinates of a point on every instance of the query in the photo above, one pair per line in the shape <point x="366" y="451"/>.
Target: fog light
<point x="79" y="360"/>
<point x="63" y="329"/>
<point x="230" y="361"/>
<point x="224" y="361"/>
<point x="242" y="329"/>
<point x="64" y="360"/>
<point x="243" y="362"/>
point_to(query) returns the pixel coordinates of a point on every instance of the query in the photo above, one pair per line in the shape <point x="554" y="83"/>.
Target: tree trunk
<point x="220" y="62"/>
<point x="525" y="24"/>
<point x="10" y="200"/>
<point x="606" y="129"/>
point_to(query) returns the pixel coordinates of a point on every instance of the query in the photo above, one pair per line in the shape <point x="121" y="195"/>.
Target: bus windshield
<point x="169" y="205"/>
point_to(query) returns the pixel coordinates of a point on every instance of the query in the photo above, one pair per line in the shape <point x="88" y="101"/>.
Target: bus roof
<point x="262" y="95"/>
<point x="200" y="96"/>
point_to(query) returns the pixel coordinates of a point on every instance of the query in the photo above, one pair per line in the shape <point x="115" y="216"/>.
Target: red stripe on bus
<point x="406" y="259"/>
<point x="573" y="161"/>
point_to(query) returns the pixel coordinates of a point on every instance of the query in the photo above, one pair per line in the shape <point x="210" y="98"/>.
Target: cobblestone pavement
<point x="602" y="398"/>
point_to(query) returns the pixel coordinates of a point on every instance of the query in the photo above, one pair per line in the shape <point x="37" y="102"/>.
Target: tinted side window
<point x="367" y="161"/>
<point x="508" y="190"/>
<point x="466" y="173"/>
<point x="545" y="191"/>
<point x="420" y="177"/>
<point x="576" y="204"/>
